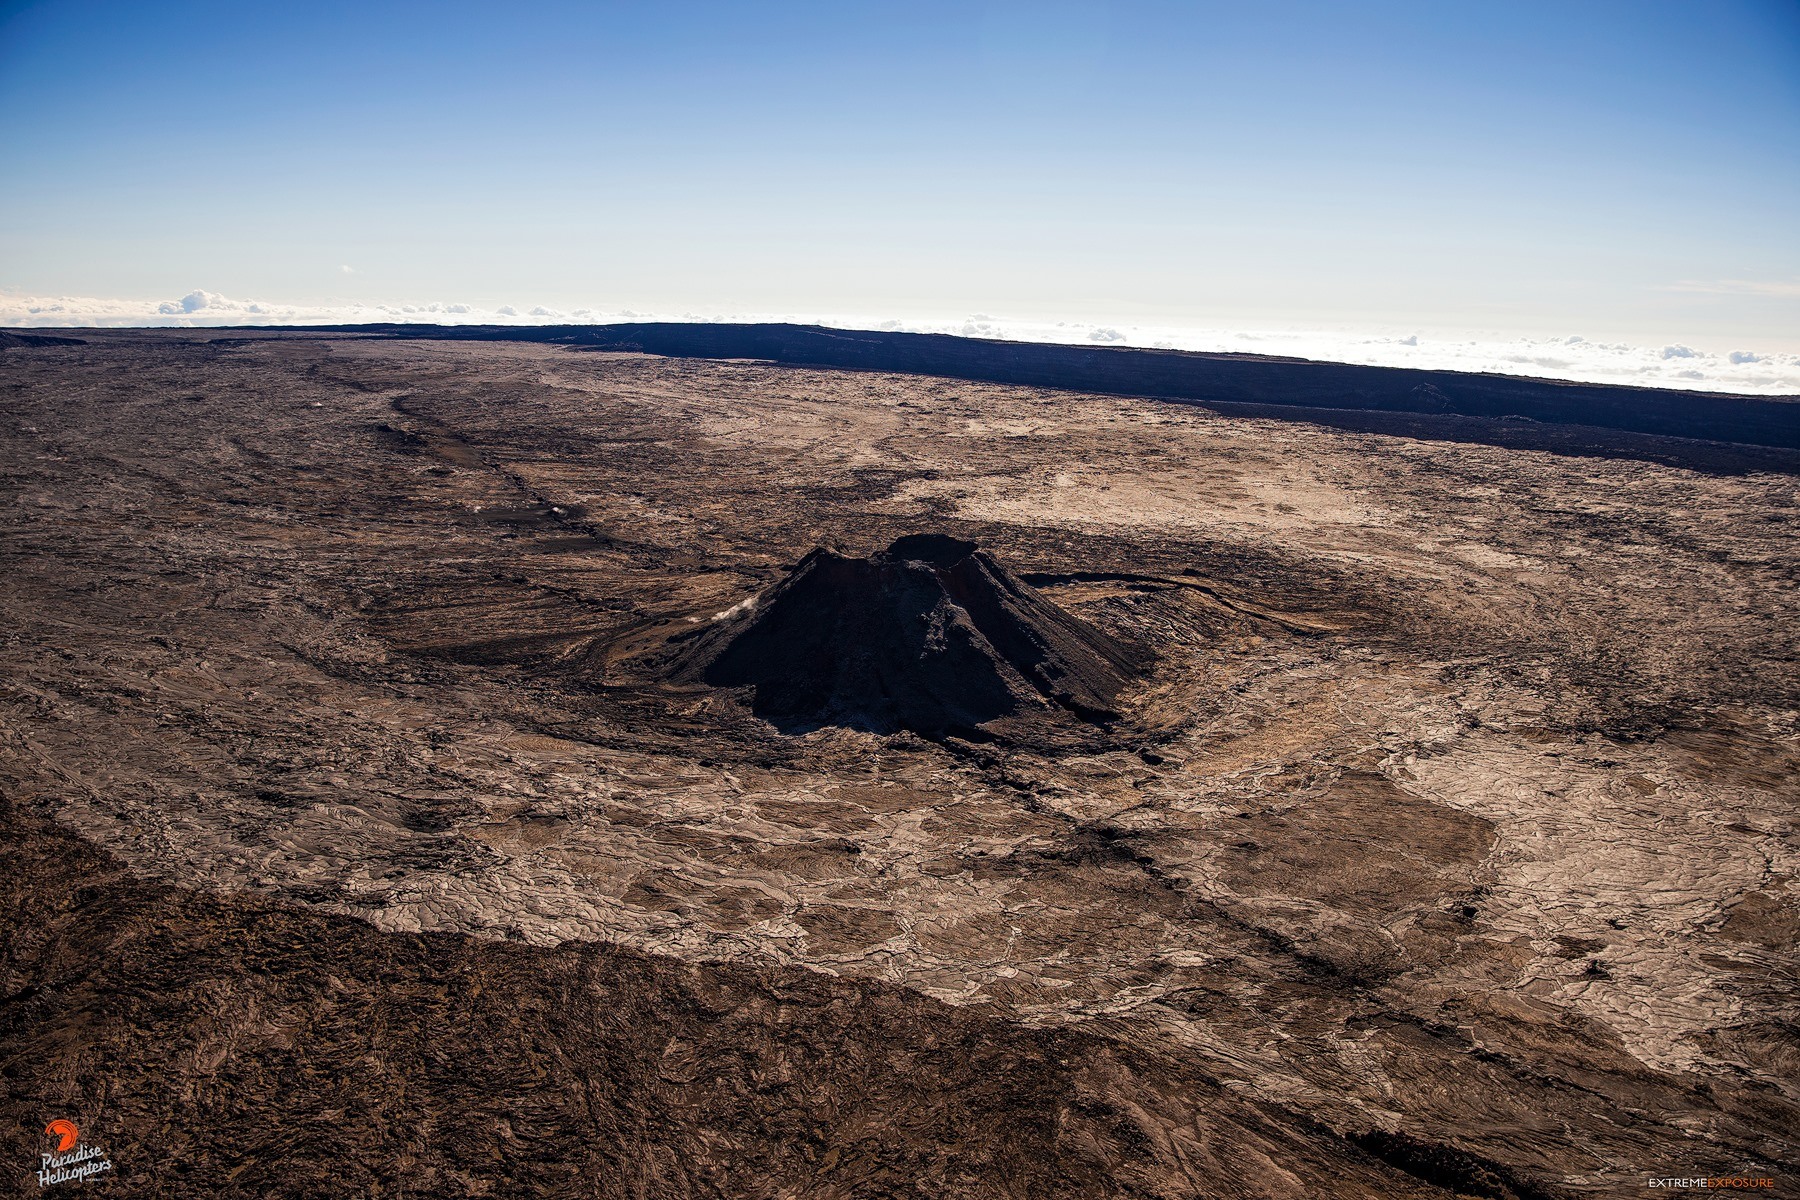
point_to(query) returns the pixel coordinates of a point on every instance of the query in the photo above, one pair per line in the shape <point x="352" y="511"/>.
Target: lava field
<point x="502" y="768"/>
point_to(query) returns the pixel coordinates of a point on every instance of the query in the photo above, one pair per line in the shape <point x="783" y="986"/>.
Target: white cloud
<point x="201" y="307"/>
<point x="192" y="302"/>
<point x="1561" y="357"/>
<point x="347" y="269"/>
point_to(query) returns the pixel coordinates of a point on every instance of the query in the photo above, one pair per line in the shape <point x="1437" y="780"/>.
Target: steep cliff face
<point x="931" y="635"/>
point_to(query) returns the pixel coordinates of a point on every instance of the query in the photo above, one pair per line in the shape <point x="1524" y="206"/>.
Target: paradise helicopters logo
<point x="70" y="1161"/>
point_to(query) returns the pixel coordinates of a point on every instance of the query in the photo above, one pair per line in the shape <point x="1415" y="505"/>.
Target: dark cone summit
<point x="931" y="635"/>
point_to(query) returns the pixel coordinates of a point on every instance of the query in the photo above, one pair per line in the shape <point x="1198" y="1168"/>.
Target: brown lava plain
<point x="492" y="769"/>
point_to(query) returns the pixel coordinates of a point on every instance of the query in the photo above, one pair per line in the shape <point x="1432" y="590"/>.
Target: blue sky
<point x="1614" y="170"/>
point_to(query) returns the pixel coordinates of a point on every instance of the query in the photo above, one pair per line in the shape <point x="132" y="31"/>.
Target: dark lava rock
<point x="14" y="340"/>
<point x="932" y="635"/>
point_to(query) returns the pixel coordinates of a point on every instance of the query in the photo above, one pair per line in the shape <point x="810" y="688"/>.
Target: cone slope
<point x="932" y="635"/>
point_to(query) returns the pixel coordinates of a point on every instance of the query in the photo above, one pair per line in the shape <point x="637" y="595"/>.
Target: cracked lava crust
<point x="508" y="769"/>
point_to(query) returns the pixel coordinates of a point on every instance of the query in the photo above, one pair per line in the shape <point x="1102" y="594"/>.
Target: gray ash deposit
<point x="931" y="635"/>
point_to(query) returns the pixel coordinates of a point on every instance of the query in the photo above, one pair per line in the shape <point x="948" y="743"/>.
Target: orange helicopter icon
<point x="65" y="1130"/>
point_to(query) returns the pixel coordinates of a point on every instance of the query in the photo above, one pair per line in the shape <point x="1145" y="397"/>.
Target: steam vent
<point x="932" y="635"/>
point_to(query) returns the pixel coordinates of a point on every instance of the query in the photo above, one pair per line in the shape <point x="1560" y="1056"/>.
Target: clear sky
<point x="1619" y="170"/>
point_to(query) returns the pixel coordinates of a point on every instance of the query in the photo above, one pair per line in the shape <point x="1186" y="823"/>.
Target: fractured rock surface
<point x="1448" y="844"/>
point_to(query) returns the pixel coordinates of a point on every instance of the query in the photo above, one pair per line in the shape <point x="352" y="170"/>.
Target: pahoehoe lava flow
<point x="488" y="767"/>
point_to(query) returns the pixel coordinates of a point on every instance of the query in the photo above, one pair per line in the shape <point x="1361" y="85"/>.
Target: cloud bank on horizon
<point x="1571" y="357"/>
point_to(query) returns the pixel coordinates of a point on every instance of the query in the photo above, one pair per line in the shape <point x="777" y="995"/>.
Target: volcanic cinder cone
<point x="932" y="635"/>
